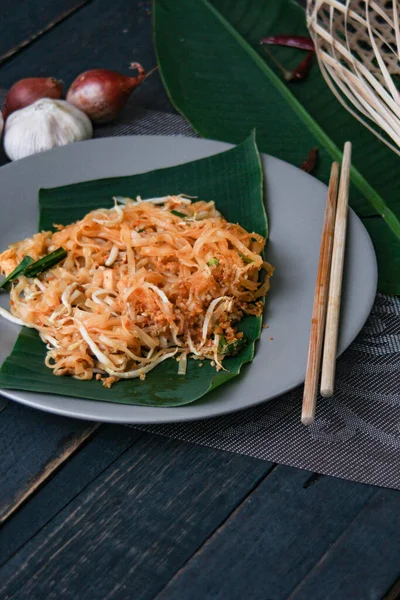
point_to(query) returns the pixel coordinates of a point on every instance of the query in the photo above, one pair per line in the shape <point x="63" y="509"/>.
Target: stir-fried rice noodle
<point x="142" y="282"/>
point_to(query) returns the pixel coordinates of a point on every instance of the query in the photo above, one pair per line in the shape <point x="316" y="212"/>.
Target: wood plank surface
<point x="101" y="34"/>
<point x="130" y="530"/>
<point x="365" y="560"/>
<point x="119" y="514"/>
<point x="24" y="21"/>
<point x="394" y="592"/>
<point x="32" y="446"/>
<point x="78" y="472"/>
<point x="274" y="539"/>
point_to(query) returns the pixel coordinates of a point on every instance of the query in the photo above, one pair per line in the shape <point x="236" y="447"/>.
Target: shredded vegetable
<point x="139" y="283"/>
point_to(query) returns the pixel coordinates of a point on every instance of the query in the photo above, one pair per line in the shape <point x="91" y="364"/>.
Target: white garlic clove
<point x="44" y="125"/>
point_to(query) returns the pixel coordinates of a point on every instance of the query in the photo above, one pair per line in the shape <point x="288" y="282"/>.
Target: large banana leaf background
<point x="219" y="77"/>
<point x="234" y="180"/>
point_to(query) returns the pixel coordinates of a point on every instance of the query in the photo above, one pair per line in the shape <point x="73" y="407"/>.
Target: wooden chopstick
<point x="335" y="286"/>
<point x="320" y="302"/>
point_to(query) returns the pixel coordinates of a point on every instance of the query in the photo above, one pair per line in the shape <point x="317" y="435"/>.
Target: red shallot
<point x="102" y="93"/>
<point x="27" y="91"/>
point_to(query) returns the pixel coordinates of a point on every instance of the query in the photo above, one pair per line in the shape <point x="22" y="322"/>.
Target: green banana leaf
<point x="220" y="78"/>
<point x="234" y="180"/>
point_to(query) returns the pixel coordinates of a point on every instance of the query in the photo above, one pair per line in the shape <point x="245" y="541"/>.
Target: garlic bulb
<point x="43" y="125"/>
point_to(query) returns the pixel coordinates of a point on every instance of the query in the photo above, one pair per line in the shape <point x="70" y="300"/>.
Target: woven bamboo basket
<point x="357" y="43"/>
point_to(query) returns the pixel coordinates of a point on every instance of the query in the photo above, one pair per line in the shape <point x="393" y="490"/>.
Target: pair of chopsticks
<point x="328" y="289"/>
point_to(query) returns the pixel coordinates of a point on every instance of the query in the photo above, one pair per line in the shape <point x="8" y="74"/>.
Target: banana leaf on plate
<point x="234" y="180"/>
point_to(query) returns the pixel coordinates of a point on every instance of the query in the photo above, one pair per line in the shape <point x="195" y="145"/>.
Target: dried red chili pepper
<point x="311" y="161"/>
<point x="297" y="74"/>
<point x="291" y="41"/>
<point x="303" y="69"/>
<point x="294" y="41"/>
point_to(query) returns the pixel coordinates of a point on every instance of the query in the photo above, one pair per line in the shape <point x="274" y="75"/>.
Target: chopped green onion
<point x="222" y="344"/>
<point x="140" y="230"/>
<point x="45" y="263"/>
<point x="213" y="262"/>
<point x="31" y="268"/>
<point x="178" y="214"/>
<point x="253" y="239"/>
<point x="234" y="347"/>
<point x="244" y="258"/>
<point x="25" y="262"/>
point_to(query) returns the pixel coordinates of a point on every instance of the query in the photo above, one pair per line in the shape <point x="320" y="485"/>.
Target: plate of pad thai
<point x="154" y="288"/>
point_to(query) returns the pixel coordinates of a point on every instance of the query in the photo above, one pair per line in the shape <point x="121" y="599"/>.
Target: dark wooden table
<point x="91" y="511"/>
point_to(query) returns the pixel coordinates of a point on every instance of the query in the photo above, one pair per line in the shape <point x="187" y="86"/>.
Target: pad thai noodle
<point x="139" y="283"/>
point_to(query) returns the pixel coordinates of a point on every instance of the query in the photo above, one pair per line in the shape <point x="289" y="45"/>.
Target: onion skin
<point x="27" y="91"/>
<point x="102" y="93"/>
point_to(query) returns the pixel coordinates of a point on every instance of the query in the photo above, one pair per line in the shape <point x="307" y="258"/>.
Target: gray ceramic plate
<point x="296" y="204"/>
